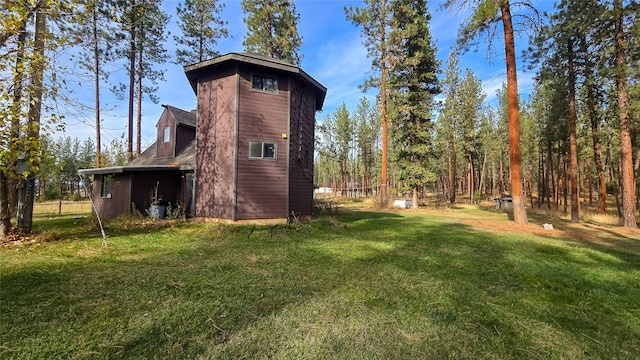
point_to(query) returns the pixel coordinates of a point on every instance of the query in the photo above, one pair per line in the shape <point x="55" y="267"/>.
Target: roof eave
<point x="123" y="169"/>
<point x="192" y="71"/>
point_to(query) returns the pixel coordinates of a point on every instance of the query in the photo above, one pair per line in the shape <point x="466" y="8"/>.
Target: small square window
<point x="263" y="83"/>
<point x="262" y="150"/>
<point x="105" y="187"/>
<point x="255" y="150"/>
<point x="166" y="135"/>
<point x="268" y="151"/>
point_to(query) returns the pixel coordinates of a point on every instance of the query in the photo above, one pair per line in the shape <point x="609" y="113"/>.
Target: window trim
<point x="263" y="143"/>
<point x="166" y="135"/>
<point x="275" y="78"/>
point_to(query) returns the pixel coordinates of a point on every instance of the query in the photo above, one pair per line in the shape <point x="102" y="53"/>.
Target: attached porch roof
<point x="147" y="161"/>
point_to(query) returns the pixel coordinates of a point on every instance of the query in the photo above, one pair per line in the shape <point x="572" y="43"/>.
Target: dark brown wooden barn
<point x="255" y="137"/>
<point x="164" y="171"/>
<point x="247" y="153"/>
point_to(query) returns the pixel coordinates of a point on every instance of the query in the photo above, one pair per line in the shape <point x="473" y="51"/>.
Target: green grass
<point x="358" y="285"/>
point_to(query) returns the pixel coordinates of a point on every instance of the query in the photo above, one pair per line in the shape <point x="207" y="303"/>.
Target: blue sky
<point x="333" y="55"/>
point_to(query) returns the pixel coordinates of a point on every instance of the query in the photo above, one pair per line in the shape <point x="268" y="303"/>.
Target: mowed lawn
<point x="357" y="285"/>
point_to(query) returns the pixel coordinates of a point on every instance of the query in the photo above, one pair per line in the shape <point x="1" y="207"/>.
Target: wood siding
<point x="184" y="135"/>
<point x="120" y="201"/>
<point x="138" y="188"/>
<point x="301" y="144"/>
<point x="215" y="145"/>
<point x="166" y="150"/>
<point x="262" y="184"/>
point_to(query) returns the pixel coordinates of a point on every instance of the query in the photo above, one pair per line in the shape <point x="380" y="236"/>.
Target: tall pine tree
<point x="272" y="29"/>
<point x="413" y="84"/>
<point x="374" y="19"/>
<point x="201" y="27"/>
<point x="485" y="14"/>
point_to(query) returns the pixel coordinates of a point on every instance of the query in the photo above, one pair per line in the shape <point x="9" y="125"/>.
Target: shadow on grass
<point x="356" y="290"/>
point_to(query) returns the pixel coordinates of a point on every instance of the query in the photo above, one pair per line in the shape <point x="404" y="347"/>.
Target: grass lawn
<point x="357" y="285"/>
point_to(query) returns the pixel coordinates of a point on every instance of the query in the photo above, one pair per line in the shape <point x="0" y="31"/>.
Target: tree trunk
<point x="132" y="81"/>
<point x="565" y="180"/>
<point x="482" y="172"/>
<point x="14" y="143"/>
<point x="531" y="181"/>
<point x="5" y="219"/>
<point x="383" y="100"/>
<point x="595" y="136"/>
<point x="453" y="174"/>
<point x="26" y="193"/>
<point x="139" y="104"/>
<point x="470" y="180"/>
<point x="573" y="147"/>
<point x="501" y="176"/>
<point x="96" y="80"/>
<point x="588" y="182"/>
<point x="626" y="162"/>
<point x="519" y="211"/>
<point x="541" y="179"/>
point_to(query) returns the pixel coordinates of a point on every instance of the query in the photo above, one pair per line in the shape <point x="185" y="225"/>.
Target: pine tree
<point x="374" y="20"/>
<point x="470" y="109"/>
<point x="413" y="84"/>
<point x="142" y="32"/>
<point x="626" y="162"/>
<point x="367" y="121"/>
<point x="448" y="120"/>
<point x="201" y="27"/>
<point x="95" y="28"/>
<point x="485" y="13"/>
<point x="272" y="29"/>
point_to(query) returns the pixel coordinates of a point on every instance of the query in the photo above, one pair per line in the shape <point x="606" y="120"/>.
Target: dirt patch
<point x="587" y="234"/>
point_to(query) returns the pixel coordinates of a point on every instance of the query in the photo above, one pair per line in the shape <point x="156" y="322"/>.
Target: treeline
<point x="60" y="160"/>
<point x="575" y="134"/>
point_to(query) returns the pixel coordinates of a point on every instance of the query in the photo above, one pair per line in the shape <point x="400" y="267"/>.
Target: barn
<point x="255" y="137"/>
<point x="249" y="155"/>
<point x="162" y="173"/>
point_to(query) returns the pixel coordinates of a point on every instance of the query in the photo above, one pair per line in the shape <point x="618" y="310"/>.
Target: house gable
<point x="176" y="128"/>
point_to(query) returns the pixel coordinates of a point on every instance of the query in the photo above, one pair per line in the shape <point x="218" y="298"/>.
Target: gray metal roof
<point x="192" y="71"/>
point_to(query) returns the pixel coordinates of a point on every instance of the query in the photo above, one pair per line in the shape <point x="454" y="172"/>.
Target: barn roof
<point x="147" y="161"/>
<point x="183" y="117"/>
<point x="193" y="71"/>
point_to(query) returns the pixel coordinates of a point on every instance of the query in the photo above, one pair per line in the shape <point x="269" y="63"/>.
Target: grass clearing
<point x="359" y="284"/>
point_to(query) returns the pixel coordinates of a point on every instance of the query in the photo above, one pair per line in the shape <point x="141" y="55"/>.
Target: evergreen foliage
<point x="201" y="26"/>
<point x="272" y="29"/>
<point x="413" y="84"/>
